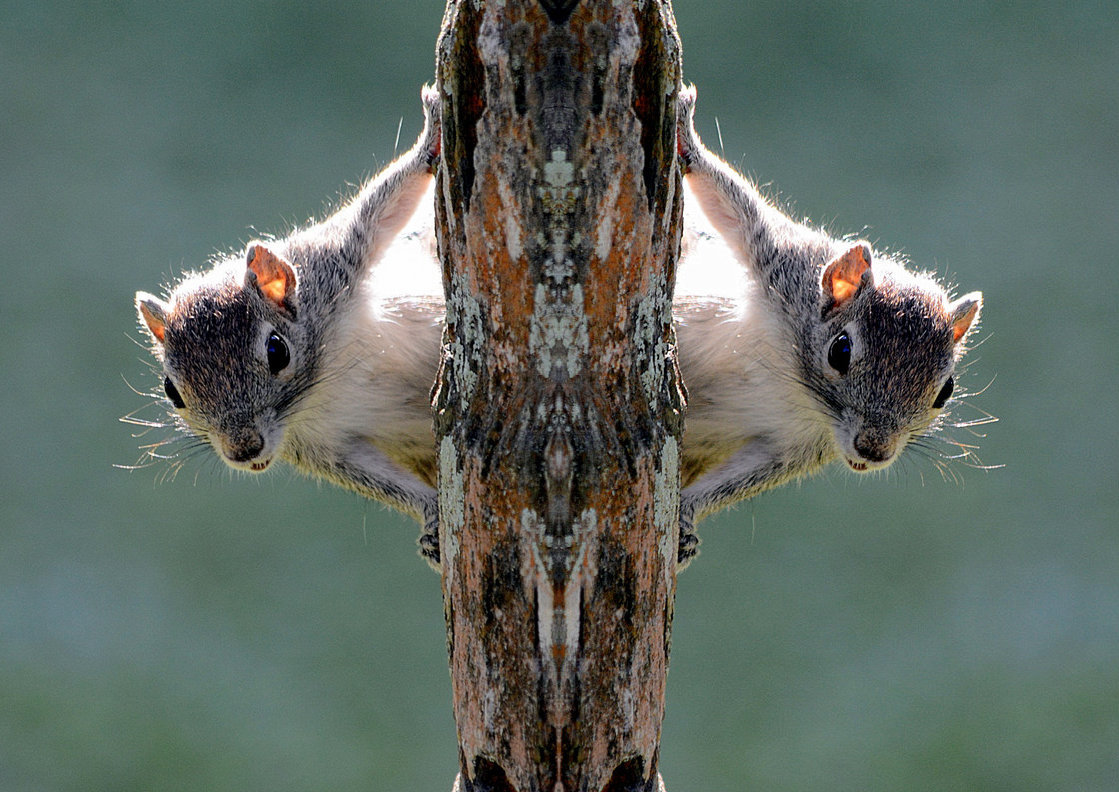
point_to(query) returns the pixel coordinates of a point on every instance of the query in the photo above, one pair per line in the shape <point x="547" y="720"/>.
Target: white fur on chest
<point x="369" y="388"/>
<point x="739" y="362"/>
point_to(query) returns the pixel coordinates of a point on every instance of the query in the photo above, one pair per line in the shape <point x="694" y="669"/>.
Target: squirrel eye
<point x="942" y="397"/>
<point x="173" y="393"/>
<point x="278" y="355"/>
<point x="839" y="353"/>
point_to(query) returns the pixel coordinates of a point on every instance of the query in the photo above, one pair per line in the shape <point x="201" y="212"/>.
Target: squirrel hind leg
<point x="688" y="547"/>
<point x="429" y="536"/>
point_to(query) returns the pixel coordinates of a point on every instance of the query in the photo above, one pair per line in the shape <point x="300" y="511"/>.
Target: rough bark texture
<point x="558" y="405"/>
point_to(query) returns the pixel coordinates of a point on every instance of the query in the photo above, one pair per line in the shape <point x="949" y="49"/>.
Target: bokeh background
<point x="216" y="632"/>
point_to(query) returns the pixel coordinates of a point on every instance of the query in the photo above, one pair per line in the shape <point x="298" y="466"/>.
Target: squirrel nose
<point x="874" y="446"/>
<point x="244" y="446"/>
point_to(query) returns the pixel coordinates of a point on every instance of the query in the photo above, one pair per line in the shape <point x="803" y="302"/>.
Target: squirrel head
<point x="231" y="350"/>
<point x="881" y="359"/>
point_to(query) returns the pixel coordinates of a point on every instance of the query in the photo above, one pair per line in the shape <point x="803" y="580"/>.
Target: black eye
<point x="945" y="393"/>
<point x="839" y="353"/>
<point x="278" y="355"/>
<point x="173" y="393"/>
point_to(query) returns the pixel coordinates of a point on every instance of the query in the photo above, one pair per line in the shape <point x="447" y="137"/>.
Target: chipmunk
<point x="827" y="352"/>
<point x="288" y="352"/>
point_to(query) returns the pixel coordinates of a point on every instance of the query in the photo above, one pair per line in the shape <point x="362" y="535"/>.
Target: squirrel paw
<point x="429" y="538"/>
<point x="689" y="540"/>
<point x="431" y="139"/>
<point x="688" y="145"/>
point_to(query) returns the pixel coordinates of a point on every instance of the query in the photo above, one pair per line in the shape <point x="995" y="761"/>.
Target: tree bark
<point x="559" y="408"/>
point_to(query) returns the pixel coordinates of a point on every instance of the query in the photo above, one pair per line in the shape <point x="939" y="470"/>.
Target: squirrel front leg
<point x="755" y="230"/>
<point x="389" y="201"/>
<point x="736" y="210"/>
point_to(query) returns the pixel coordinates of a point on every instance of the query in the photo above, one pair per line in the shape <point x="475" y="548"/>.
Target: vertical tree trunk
<point x="558" y="405"/>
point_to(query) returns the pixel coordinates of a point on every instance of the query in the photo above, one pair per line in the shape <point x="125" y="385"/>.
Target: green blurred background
<point x="217" y="632"/>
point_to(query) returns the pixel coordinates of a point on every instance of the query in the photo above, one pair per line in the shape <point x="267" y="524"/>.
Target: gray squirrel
<point x="828" y="352"/>
<point x="807" y="350"/>
<point x="284" y="353"/>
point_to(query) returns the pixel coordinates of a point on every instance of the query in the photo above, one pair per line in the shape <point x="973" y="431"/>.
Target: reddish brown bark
<point x="558" y="404"/>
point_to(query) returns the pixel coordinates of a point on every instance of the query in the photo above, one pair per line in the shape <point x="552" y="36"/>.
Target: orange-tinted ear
<point x="274" y="277"/>
<point x="153" y="313"/>
<point x="963" y="313"/>
<point x="845" y="273"/>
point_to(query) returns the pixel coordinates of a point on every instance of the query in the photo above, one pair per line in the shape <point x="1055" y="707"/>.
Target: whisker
<point x="151" y="454"/>
<point x="129" y="419"/>
<point x="140" y="464"/>
<point x="144" y="345"/>
<point x="972" y="345"/>
<point x="947" y="473"/>
<point x="982" y="390"/>
<point x="990" y="419"/>
<point x="137" y="391"/>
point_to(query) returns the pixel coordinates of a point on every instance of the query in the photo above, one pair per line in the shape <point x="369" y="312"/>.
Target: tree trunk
<point x="558" y="406"/>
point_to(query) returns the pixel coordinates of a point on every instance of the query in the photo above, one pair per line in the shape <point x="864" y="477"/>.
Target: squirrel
<point x="286" y="352"/>
<point x="828" y="352"/>
<point x="803" y="351"/>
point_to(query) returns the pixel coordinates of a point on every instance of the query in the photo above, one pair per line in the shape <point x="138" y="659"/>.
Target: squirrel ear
<point x="962" y="314"/>
<point x="153" y="314"/>
<point x="844" y="274"/>
<point x="273" y="276"/>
